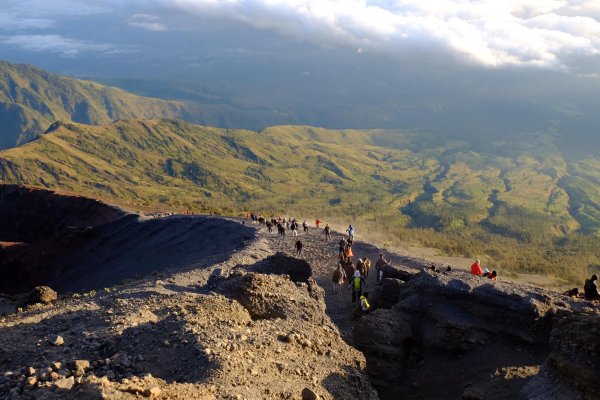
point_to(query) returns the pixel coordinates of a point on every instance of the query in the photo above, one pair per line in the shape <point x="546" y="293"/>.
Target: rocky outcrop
<point x="572" y="368"/>
<point x="274" y="296"/>
<point x="41" y="295"/>
<point x="484" y="336"/>
<point x="243" y="335"/>
<point x="297" y="269"/>
<point x="398" y="272"/>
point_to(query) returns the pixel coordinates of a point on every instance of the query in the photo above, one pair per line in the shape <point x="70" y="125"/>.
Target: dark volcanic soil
<point x="73" y="243"/>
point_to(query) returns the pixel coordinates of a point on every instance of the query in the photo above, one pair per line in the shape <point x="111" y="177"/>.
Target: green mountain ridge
<point x="31" y="99"/>
<point x="517" y="203"/>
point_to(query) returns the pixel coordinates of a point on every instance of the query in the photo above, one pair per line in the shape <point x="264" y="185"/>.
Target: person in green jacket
<point x="356" y="284"/>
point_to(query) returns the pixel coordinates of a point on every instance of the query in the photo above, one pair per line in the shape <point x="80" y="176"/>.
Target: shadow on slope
<point x="73" y="243"/>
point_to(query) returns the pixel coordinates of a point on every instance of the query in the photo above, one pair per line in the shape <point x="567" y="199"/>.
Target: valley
<point x="525" y="208"/>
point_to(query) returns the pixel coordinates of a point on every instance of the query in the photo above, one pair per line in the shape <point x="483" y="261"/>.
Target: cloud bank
<point x="58" y="44"/>
<point x="550" y="34"/>
<point x="540" y="33"/>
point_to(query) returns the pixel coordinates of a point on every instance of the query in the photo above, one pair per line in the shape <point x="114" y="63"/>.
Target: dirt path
<point x="323" y="257"/>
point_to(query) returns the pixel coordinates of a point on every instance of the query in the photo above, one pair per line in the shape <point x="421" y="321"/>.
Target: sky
<point x="530" y="33"/>
<point x="289" y="52"/>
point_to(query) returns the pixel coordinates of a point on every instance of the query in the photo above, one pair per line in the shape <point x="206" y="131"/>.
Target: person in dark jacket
<point x="590" y="289"/>
<point x="298" y="247"/>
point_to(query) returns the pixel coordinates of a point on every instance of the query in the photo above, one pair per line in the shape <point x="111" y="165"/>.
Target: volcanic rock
<point x="474" y="325"/>
<point x="41" y="294"/>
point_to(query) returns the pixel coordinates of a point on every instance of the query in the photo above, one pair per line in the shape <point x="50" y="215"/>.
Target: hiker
<point x="269" y="226"/>
<point x="490" y="275"/>
<point x="362" y="307"/>
<point x="342" y="244"/>
<point x="280" y="230"/>
<point x="476" y="268"/>
<point x="348" y="269"/>
<point x="348" y="252"/>
<point x="305" y="226"/>
<point x="327" y="231"/>
<point x="338" y="278"/>
<point x="360" y="267"/>
<point x="590" y="290"/>
<point x="317" y="223"/>
<point x="298" y="247"/>
<point x="294" y="228"/>
<point x="350" y="231"/>
<point x="379" y="266"/>
<point x="366" y="266"/>
<point x="364" y="303"/>
<point x="357" y="284"/>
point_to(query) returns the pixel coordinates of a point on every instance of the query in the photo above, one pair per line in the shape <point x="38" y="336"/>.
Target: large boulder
<point x="41" y="294"/>
<point x="398" y="272"/>
<point x="273" y="296"/>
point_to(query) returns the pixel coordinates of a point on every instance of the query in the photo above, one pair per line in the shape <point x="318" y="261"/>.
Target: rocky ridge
<point x="453" y="335"/>
<point x="221" y="332"/>
<point x="261" y="324"/>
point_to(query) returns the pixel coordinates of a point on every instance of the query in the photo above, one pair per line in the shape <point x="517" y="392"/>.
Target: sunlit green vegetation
<point x="520" y="208"/>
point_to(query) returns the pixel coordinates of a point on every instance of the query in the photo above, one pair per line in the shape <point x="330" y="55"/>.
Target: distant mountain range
<point x="31" y="99"/>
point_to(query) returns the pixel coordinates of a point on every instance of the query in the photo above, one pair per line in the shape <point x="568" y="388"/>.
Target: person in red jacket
<point x="476" y="268"/>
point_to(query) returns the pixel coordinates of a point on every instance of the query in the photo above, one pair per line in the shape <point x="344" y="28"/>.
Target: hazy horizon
<point x="467" y="69"/>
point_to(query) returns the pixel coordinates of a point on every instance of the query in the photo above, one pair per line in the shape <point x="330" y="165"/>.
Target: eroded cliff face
<point x="451" y="335"/>
<point x="37" y="227"/>
<point x="572" y="369"/>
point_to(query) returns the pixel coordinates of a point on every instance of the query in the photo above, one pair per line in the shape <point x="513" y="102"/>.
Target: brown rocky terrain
<point x="243" y="319"/>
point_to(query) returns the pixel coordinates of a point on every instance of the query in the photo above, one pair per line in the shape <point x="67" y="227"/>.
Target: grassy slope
<point x="31" y="99"/>
<point x="513" y="206"/>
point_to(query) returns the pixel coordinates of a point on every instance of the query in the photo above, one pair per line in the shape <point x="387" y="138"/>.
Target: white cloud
<point x="66" y="47"/>
<point x="54" y="8"/>
<point x="542" y="33"/>
<point x="494" y="33"/>
<point x="11" y="21"/>
<point x="148" y="22"/>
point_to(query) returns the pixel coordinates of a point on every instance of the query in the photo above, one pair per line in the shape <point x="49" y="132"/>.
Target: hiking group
<point x="354" y="276"/>
<point x="290" y="224"/>
<point x="347" y="273"/>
